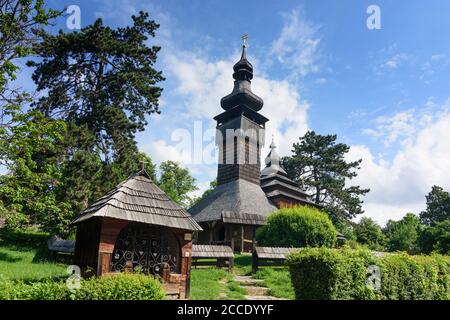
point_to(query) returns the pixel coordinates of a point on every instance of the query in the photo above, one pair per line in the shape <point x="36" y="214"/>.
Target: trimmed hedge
<point x="297" y="227"/>
<point x="331" y="274"/>
<point x="115" y="287"/>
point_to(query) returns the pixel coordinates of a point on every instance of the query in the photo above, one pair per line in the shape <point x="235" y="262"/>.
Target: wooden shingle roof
<point x="238" y="201"/>
<point x="274" y="252"/>
<point x="139" y="199"/>
<point x="211" y="251"/>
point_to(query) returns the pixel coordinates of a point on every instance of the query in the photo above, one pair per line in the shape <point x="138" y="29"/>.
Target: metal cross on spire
<point x="244" y="40"/>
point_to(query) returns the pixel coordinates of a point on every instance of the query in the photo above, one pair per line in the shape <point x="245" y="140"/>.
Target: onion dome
<point x="273" y="162"/>
<point x="242" y="93"/>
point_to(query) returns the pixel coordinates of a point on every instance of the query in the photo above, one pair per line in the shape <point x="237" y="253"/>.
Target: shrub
<point x="320" y="273"/>
<point x="121" y="287"/>
<point x="297" y="227"/>
<point x="328" y="274"/>
<point x="114" y="287"/>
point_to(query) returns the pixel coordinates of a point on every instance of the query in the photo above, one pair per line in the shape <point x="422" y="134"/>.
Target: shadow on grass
<point x="8" y="258"/>
<point x="27" y="239"/>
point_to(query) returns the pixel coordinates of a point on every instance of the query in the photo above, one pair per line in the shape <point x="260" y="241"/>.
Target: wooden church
<point x="137" y="225"/>
<point x="244" y="196"/>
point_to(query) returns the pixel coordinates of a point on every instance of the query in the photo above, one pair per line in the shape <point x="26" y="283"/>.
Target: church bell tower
<point x="241" y="128"/>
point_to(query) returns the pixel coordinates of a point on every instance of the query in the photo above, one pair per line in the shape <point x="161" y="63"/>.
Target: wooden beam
<point x="242" y="238"/>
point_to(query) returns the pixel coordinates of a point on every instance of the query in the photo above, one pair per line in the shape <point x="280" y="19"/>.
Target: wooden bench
<point x="269" y="256"/>
<point x="57" y="245"/>
<point x="212" y="255"/>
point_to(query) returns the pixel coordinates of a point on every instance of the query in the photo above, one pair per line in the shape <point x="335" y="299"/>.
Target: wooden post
<point x="254" y="262"/>
<point x="242" y="238"/>
<point x="210" y="232"/>
<point x="254" y="238"/>
<point x="230" y="264"/>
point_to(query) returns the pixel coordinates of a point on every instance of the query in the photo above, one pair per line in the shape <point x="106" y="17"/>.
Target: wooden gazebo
<point x="136" y="225"/>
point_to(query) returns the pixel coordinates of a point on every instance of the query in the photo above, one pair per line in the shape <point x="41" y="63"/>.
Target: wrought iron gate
<point x="147" y="247"/>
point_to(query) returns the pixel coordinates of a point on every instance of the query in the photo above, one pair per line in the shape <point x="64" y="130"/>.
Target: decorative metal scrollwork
<point x="147" y="247"/>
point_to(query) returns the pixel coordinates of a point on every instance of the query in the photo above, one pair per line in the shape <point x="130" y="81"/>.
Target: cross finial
<point x="244" y="40"/>
<point x="143" y="162"/>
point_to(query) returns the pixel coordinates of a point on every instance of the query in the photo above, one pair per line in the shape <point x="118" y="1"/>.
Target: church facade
<point x="244" y="196"/>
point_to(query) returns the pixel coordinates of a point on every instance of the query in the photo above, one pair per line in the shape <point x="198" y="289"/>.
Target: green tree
<point x="318" y="163"/>
<point x="32" y="152"/>
<point x="436" y="238"/>
<point x="438" y="206"/>
<point x="403" y="235"/>
<point x="297" y="227"/>
<point x="368" y="232"/>
<point x="102" y="83"/>
<point x="196" y="200"/>
<point x="176" y="182"/>
<point x="19" y="22"/>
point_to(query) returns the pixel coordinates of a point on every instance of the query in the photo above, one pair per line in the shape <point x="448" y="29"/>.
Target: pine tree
<point x="318" y="164"/>
<point x="438" y="206"/>
<point x="102" y="83"/>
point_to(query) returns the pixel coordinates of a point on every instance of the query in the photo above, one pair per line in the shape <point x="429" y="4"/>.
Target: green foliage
<point x="403" y="235"/>
<point x="436" y="238"/>
<point x="330" y="274"/>
<point x="121" y="287"/>
<point x="319" y="164"/>
<point x="406" y="277"/>
<point x="438" y="207"/>
<point x="369" y="233"/>
<point x="114" y="287"/>
<point x="32" y="152"/>
<point x="321" y="273"/>
<point x="297" y="227"/>
<point x="176" y="182"/>
<point x="19" y="22"/>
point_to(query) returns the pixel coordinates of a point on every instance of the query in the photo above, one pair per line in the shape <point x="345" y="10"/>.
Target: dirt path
<point x="255" y="289"/>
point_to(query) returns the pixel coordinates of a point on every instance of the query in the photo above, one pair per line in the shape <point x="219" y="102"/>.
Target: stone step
<point x="256" y="291"/>
<point x="248" y="281"/>
<point x="263" y="298"/>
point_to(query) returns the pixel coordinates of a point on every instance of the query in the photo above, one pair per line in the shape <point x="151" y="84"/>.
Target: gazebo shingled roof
<point x="138" y="199"/>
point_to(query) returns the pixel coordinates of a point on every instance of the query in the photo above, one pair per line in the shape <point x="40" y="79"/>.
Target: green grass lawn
<point x="277" y="279"/>
<point x="24" y="256"/>
<point x="214" y="284"/>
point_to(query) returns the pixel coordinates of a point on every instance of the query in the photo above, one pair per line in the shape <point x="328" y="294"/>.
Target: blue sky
<point x="317" y="66"/>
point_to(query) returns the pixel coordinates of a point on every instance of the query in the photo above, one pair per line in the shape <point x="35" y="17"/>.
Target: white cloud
<point x="203" y="83"/>
<point x="297" y="46"/>
<point x="395" y="61"/>
<point x="400" y="185"/>
<point x="388" y="59"/>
